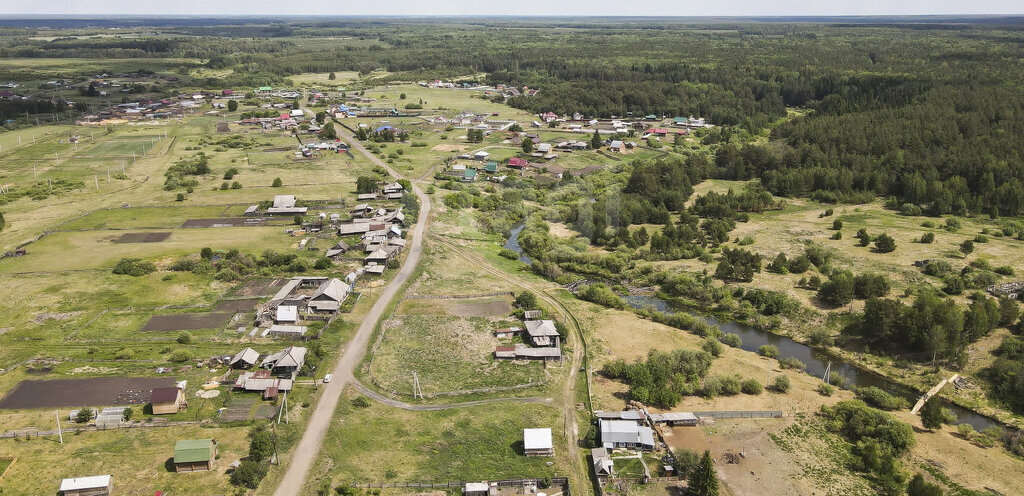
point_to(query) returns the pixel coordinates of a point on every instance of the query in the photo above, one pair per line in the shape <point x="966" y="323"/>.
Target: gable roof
<point x="332" y="289"/>
<point x="538" y="328"/>
<point x="247" y="355"/>
<point x="293" y="356"/>
<point x="193" y="450"/>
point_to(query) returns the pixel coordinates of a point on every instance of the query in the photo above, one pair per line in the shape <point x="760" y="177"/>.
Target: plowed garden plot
<point x="96" y="391"/>
<point x="259" y="287"/>
<point x="235" y="305"/>
<point x="225" y="222"/>
<point x="143" y="237"/>
<point x="187" y="321"/>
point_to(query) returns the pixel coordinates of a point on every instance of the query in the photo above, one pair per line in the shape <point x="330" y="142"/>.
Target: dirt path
<point x="352" y="353"/>
<point x="425" y="408"/>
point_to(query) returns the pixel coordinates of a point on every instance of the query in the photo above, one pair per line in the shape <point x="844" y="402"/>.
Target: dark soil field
<point x="143" y="237"/>
<point x="259" y="287"/>
<point x="187" y="321"/>
<point x="225" y="222"/>
<point x="97" y="391"/>
<point x="235" y="306"/>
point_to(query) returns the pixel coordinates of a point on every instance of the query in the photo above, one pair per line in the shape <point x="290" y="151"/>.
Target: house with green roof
<point x="491" y="167"/>
<point x="264" y="90"/>
<point x="470" y="175"/>
<point x="194" y="455"/>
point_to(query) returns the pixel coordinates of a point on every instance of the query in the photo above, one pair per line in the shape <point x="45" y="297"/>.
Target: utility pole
<point x="97" y="179"/>
<point x="60" y="434"/>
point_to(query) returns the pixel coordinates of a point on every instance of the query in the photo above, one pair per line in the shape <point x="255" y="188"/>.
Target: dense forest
<point x="931" y="114"/>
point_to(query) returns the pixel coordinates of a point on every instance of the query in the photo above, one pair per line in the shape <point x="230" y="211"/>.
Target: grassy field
<point x="137" y="460"/>
<point x="477" y="443"/>
<point x="448" y="353"/>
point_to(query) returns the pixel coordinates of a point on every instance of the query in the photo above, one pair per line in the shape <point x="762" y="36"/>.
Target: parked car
<point x="328" y="377"/>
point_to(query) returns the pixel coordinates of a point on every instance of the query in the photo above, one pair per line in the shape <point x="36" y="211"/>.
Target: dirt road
<point x="309" y="446"/>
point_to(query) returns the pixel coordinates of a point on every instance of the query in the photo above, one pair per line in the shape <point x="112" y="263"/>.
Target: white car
<point x="328" y="377"/>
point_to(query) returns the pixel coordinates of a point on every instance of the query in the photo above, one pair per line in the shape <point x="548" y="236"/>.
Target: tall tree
<point x="595" y="141"/>
<point x="527" y="145"/>
<point x="932" y="415"/>
<point x="703" y="481"/>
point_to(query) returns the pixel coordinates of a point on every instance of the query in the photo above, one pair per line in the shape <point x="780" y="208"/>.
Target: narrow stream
<point x="513" y="244"/>
<point x="815" y="360"/>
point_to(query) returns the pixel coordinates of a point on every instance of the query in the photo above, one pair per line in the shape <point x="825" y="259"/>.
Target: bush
<point x="236" y="185"/>
<point x="731" y="386"/>
<point x="918" y="487"/>
<point x="712" y="346"/>
<point x="249" y="474"/>
<point x="731" y="339"/>
<point x="277" y="183"/>
<point x="819" y="337"/>
<point x="768" y="350"/>
<point x="880" y="399"/>
<point x="837" y="225"/>
<point x="84" y="415"/>
<point x="179" y="197"/>
<point x="134" y="267"/>
<point x="826" y="389"/>
<point x="752" y="386"/>
<point x="361" y="402"/>
<point x="791" y="363"/>
<point x="885" y="243"/>
<point x="184" y="338"/>
<point x="526" y="300"/>
<point x="781" y="384"/>
<point x="927" y="238"/>
<point x="179" y="356"/>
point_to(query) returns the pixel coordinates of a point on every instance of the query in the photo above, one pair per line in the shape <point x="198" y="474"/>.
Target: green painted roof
<point x="193" y="450"/>
<point x="264" y="88"/>
<point x="470" y="174"/>
<point x="492" y="166"/>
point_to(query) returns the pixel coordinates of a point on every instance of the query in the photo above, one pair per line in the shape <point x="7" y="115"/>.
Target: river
<point x="815" y="360"/>
<point x="513" y="244"/>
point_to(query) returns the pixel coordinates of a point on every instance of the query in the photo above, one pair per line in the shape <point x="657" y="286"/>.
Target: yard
<point x="384" y="444"/>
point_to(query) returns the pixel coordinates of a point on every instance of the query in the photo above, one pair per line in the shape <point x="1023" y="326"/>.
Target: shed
<point x="244" y="359"/>
<point x="287" y="313"/>
<point x="604" y="467"/>
<point x="194" y="455"/>
<point x="533" y="314"/>
<point x="94" y="485"/>
<point x="537" y="442"/>
<point x="508" y="352"/>
<point x="167" y="400"/>
<point x="476" y="489"/>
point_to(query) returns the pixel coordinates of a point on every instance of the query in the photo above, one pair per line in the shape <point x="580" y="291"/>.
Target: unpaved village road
<point x="309" y="446"/>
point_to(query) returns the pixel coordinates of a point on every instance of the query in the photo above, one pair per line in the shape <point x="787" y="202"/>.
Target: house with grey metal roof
<point x="537" y="442"/>
<point x="541" y="332"/>
<point x="329" y="296"/>
<point x="625" y="434"/>
<point x="244" y="359"/>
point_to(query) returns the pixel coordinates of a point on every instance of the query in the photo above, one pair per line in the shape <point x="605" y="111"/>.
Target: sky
<point x="515" y="7"/>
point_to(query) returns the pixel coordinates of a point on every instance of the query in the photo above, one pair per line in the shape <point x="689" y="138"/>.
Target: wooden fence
<point x="458" y="297"/>
<point x="741" y="414"/>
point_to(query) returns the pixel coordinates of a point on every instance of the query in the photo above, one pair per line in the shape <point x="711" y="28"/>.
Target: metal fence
<point x="741" y="414"/>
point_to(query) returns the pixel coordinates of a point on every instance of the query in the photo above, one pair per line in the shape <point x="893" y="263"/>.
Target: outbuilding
<point x="194" y="455"/>
<point x="167" y="400"/>
<point x="95" y="485"/>
<point x="537" y="442"/>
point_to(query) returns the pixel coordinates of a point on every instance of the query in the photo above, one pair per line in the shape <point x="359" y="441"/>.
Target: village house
<point x="537" y="442"/>
<point x="194" y="455"/>
<point x="285" y="363"/>
<point x="337" y="250"/>
<point x="542" y="332"/>
<point x="329" y="296"/>
<point x="481" y="155"/>
<point x="96" y="485"/>
<point x="625" y="434"/>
